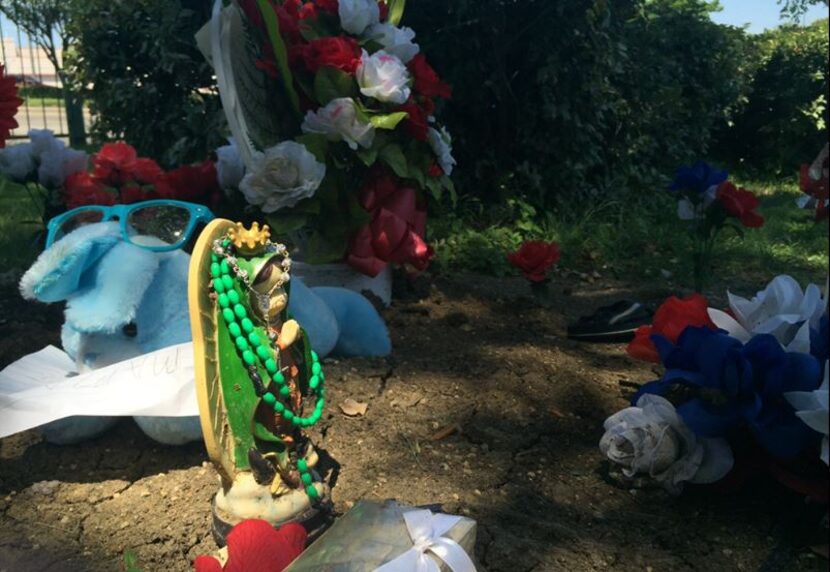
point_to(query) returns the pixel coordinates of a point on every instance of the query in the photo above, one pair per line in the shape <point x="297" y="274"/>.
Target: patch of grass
<point x="20" y="226"/>
<point x="638" y="240"/>
<point x="38" y="102"/>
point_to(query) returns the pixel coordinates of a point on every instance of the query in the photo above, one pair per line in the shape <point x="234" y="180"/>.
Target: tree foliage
<point x="579" y="98"/>
<point x="783" y="121"/>
<point x="148" y="83"/>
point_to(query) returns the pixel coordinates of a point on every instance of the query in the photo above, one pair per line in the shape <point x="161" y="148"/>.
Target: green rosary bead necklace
<point x="255" y="353"/>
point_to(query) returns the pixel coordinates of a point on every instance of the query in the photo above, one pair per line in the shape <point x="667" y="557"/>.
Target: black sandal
<point x="614" y="323"/>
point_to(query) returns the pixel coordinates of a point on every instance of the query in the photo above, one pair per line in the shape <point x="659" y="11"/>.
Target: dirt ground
<point x="524" y="407"/>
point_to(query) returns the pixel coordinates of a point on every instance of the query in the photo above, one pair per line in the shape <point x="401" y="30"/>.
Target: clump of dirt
<point x="485" y="408"/>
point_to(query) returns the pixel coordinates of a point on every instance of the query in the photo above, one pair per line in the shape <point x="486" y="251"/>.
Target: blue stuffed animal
<point x="123" y="301"/>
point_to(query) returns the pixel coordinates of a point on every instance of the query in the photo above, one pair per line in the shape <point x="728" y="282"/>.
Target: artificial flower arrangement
<point x="709" y="202"/>
<point x="814" y="181"/>
<point x="348" y="148"/>
<point x="743" y="390"/>
<point x="59" y="175"/>
<point x="535" y="259"/>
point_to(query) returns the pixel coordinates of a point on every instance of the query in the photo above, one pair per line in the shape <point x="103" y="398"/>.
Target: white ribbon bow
<point x="426" y="530"/>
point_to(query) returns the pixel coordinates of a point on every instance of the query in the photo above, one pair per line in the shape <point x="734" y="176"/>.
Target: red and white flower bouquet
<point x="331" y="106"/>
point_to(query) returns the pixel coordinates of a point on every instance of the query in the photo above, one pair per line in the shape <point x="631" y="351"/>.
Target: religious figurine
<point x="254" y="368"/>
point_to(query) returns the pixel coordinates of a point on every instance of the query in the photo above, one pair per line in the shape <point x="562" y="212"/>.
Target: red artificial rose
<point x="308" y="11"/>
<point x="288" y="16"/>
<point x="254" y="546"/>
<point x="9" y="103"/>
<point x="535" y="258"/>
<point x="340" y="52"/>
<point x="146" y="171"/>
<point x="81" y="189"/>
<point x="383" y="7"/>
<point x="427" y="82"/>
<point x="740" y="204"/>
<point x="193" y="183"/>
<point x="115" y="163"/>
<point x="395" y="234"/>
<point x="435" y="170"/>
<point x="417" y="123"/>
<point x="671" y="318"/>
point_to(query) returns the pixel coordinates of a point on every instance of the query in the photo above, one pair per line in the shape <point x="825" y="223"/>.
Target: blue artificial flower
<point x="698" y="178"/>
<point x="738" y="385"/>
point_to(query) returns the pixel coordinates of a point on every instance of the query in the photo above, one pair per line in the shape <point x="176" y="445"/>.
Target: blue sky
<point x="760" y="14"/>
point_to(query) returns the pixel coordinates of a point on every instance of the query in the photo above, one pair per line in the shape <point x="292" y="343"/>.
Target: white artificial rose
<point x="441" y="144"/>
<point x="357" y="15"/>
<point x="812" y="408"/>
<point x="282" y="176"/>
<point x="384" y="77"/>
<point x="782" y="309"/>
<point x="229" y="166"/>
<point x="687" y="210"/>
<point x="339" y="121"/>
<point x="395" y="41"/>
<point x="651" y="440"/>
<point x="55" y="160"/>
<point x="17" y="162"/>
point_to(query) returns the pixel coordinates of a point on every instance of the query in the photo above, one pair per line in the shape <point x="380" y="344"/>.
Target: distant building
<point x="28" y="63"/>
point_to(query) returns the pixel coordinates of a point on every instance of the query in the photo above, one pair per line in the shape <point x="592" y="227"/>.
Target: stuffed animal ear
<point x="315" y="317"/>
<point x="116" y="287"/>
<point x="61" y="270"/>
<point x="362" y="330"/>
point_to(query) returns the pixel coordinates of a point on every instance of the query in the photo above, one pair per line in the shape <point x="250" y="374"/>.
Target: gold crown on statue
<point x="249" y="242"/>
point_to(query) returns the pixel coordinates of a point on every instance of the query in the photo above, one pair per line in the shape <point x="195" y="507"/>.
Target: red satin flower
<point x="740" y="204"/>
<point x="671" y="318"/>
<point x="427" y="82"/>
<point x="396" y="232"/>
<point x="417" y="124"/>
<point x="383" y="7"/>
<point x="340" y="52"/>
<point x="9" y="103"/>
<point x="535" y="258"/>
<point x="435" y="170"/>
<point x="114" y="164"/>
<point x="81" y="189"/>
<point x="193" y="183"/>
<point x="254" y="546"/>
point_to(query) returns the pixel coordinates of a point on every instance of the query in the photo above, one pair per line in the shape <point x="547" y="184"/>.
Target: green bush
<point x="784" y="120"/>
<point x="148" y="83"/>
<point x="578" y="99"/>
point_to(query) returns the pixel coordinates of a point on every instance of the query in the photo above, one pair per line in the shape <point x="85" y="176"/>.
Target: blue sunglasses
<point x="159" y="225"/>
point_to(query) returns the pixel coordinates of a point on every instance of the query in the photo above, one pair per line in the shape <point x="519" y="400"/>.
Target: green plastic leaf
<point x="396" y="8"/>
<point x="316" y="144"/>
<point x="435" y="187"/>
<point x="282" y="224"/>
<point x="393" y="156"/>
<point x="322" y="250"/>
<point x="368" y="156"/>
<point x="388" y="121"/>
<point x="330" y="83"/>
<point x="280" y="53"/>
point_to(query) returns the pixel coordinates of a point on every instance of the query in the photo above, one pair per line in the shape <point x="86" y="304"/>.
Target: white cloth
<point x="44" y="386"/>
<point x="426" y="530"/>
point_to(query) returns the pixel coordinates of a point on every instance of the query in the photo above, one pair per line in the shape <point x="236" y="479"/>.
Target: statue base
<point x="315" y="520"/>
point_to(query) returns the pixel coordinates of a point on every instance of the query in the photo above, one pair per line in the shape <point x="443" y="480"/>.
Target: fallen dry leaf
<point x="353" y="408"/>
<point x="445" y="432"/>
